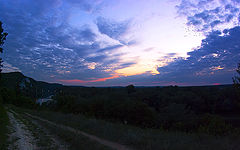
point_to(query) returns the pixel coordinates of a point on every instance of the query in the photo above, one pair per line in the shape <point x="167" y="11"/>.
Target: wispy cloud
<point x="206" y="15"/>
<point x="214" y="61"/>
<point x="101" y="42"/>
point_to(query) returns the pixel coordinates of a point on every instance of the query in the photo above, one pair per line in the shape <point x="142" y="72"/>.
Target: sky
<point x="122" y="42"/>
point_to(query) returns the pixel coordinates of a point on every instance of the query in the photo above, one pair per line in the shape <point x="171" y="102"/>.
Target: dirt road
<point x="20" y="136"/>
<point x="92" y="137"/>
<point x="28" y="133"/>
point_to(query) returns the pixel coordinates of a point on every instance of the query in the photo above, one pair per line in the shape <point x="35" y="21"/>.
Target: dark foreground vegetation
<point x="206" y="109"/>
<point x="139" y="117"/>
<point x="3" y="128"/>
<point x="191" y="109"/>
<point x="131" y="136"/>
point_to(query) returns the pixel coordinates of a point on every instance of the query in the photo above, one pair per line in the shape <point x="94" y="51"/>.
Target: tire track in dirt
<point x="22" y="139"/>
<point x="24" y="127"/>
<point x="92" y="137"/>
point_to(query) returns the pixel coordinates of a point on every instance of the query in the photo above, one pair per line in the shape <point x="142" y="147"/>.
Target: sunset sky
<point x="122" y="42"/>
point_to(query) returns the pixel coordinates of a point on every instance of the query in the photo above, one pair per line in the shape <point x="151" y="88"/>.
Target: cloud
<point x="213" y="62"/>
<point x="86" y="5"/>
<point x="206" y="15"/>
<point x="44" y="46"/>
<point x="47" y="42"/>
<point x="9" y="68"/>
<point x="112" y="28"/>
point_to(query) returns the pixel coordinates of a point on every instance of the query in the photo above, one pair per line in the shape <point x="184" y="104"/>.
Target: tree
<point x="236" y="79"/>
<point x="3" y="36"/>
<point x="130" y="89"/>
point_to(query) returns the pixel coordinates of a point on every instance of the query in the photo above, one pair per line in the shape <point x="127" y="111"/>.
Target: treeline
<point x="15" y="97"/>
<point x="189" y="109"/>
<point x="29" y="87"/>
<point x="17" y="89"/>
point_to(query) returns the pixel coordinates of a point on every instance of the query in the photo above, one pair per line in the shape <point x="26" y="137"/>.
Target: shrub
<point x="213" y="124"/>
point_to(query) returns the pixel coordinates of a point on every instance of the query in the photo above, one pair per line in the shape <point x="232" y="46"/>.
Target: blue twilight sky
<point x="121" y="42"/>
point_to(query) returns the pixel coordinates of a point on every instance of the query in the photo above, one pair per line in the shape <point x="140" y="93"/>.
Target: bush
<point x="65" y="103"/>
<point x="1" y="100"/>
<point x="126" y="111"/>
<point x="3" y="128"/>
<point x="213" y="124"/>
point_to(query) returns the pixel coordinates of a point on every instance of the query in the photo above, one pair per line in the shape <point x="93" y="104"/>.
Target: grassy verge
<point x="142" y="139"/>
<point x="44" y="134"/>
<point x="41" y="139"/>
<point x="3" y="128"/>
<point x="75" y="141"/>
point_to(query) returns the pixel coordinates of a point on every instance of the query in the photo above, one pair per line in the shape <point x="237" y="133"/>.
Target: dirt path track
<point x="92" y="137"/>
<point x="22" y="139"/>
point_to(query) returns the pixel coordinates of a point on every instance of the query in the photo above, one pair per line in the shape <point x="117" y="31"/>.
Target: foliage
<point x="170" y="108"/>
<point x="124" y="110"/>
<point x="3" y="127"/>
<point x="28" y="86"/>
<point x="130" y="89"/>
<point x="9" y="96"/>
<point x="139" y="138"/>
<point x="3" y="36"/>
<point x="213" y="124"/>
<point x="236" y="81"/>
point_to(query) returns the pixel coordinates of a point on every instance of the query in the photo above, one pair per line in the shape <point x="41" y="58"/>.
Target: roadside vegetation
<point x="141" y="117"/>
<point x="4" y="122"/>
<point x="139" y="138"/>
<point x="188" y="109"/>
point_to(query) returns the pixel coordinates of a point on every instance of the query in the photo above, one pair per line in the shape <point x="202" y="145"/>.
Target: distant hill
<point x="29" y="86"/>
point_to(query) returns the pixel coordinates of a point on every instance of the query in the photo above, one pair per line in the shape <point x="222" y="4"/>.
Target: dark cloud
<point x="44" y="46"/>
<point x="215" y="61"/>
<point x="112" y="28"/>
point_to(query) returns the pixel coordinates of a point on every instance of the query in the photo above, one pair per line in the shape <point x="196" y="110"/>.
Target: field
<point x="127" y="135"/>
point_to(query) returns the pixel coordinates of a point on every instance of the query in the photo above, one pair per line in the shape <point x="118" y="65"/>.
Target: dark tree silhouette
<point x="130" y="89"/>
<point x="3" y="36"/>
<point x="236" y="79"/>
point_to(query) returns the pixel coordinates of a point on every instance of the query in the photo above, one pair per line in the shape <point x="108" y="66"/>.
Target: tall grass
<point x="43" y="134"/>
<point x="74" y="141"/>
<point x="142" y="139"/>
<point x="4" y="121"/>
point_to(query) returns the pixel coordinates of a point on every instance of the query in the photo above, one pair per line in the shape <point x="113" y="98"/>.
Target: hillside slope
<point x="29" y="86"/>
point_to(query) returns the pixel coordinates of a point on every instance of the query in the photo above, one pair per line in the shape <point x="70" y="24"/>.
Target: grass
<point x="141" y="139"/>
<point x="41" y="139"/>
<point x="75" y="141"/>
<point x="71" y="140"/>
<point x="4" y="122"/>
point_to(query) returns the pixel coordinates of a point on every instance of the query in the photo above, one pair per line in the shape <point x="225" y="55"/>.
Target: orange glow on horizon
<point x="89" y="81"/>
<point x="136" y="70"/>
